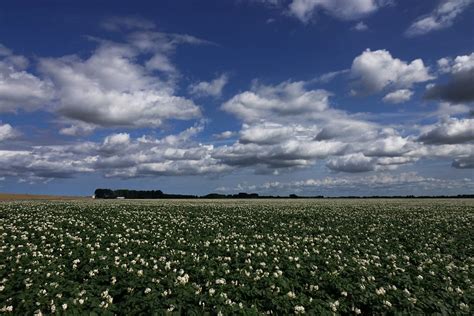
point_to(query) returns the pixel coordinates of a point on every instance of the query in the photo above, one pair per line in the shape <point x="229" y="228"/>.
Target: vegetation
<point x="237" y="257"/>
<point x="157" y="194"/>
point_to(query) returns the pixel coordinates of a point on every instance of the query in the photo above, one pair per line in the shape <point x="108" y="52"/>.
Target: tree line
<point x="158" y="194"/>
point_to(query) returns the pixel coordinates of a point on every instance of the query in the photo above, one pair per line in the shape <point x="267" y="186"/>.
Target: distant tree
<point x="104" y="194"/>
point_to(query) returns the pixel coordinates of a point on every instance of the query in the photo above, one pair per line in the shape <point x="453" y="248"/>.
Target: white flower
<point x="357" y="311"/>
<point x="81" y="301"/>
<point x="64" y="306"/>
<point x="147" y="290"/>
<point x="220" y="281"/>
<point x="183" y="279"/>
<point x="387" y="303"/>
<point x="419" y="277"/>
<point x="2" y="287"/>
<point x="291" y="294"/>
<point x="6" y="309"/>
<point x="464" y="307"/>
<point x="344" y="293"/>
<point x="380" y="291"/>
<point x="299" y="309"/>
<point x="212" y="291"/>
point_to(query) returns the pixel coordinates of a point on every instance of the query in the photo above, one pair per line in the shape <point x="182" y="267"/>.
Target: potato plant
<point x="251" y="257"/>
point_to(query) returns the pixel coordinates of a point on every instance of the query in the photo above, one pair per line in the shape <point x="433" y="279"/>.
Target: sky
<point x="312" y="97"/>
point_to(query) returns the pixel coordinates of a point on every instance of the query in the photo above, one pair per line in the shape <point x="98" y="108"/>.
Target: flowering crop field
<point x="248" y="257"/>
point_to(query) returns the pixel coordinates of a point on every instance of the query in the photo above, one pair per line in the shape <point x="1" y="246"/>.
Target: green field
<point x="240" y="257"/>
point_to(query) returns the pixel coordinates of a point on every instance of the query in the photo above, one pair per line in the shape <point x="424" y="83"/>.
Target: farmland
<point x="244" y="257"/>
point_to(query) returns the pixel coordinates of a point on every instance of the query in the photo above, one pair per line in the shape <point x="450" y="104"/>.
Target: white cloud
<point x="77" y="129"/>
<point x="352" y="163"/>
<point x="406" y="180"/>
<point x="375" y="71"/>
<point x="118" y="155"/>
<point x="20" y="89"/>
<point x="161" y="46"/>
<point x="360" y="26"/>
<point x="390" y="145"/>
<point x="459" y="88"/>
<point x="225" y="135"/>
<point x="398" y="96"/>
<point x="111" y="89"/>
<point x="266" y="133"/>
<point x="37" y="164"/>
<point x="288" y="99"/>
<point x="7" y="132"/>
<point x="443" y="16"/>
<point x="327" y="77"/>
<point x="275" y="135"/>
<point x="305" y="10"/>
<point x="212" y="88"/>
<point x="268" y="157"/>
<point x="115" y="143"/>
<point x="449" y="131"/>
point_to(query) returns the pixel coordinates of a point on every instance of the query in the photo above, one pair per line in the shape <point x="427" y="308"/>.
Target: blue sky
<point x="270" y="96"/>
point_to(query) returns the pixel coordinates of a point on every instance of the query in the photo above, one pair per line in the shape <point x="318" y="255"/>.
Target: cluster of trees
<point x="134" y="194"/>
<point x="158" y="194"/>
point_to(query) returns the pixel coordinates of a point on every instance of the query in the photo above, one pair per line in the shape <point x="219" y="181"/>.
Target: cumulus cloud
<point x="460" y="87"/>
<point x="390" y="145"/>
<point x="449" y="131"/>
<point x="77" y="129"/>
<point x="111" y="89"/>
<point x="289" y="154"/>
<point x="266" y="133"/>
<point x="374" y="71"/>
<point x="35" y="164"/>
<point x="7" y="132"/>
<point x="115" y="143"/>
<point x="352" y="163"/>
<point x="225" y="135"/>
<point x="348" y="129"/>
<point x="305" y="10"/>
<point x="398" y="96"/>
<point x="443" y="16"/>
<point x="118" y="155"/>
<point x="288" y="99"/>
<point x="20" y="89"/>
<point x="212" y="88"/>
<point x="273" y="136"/>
